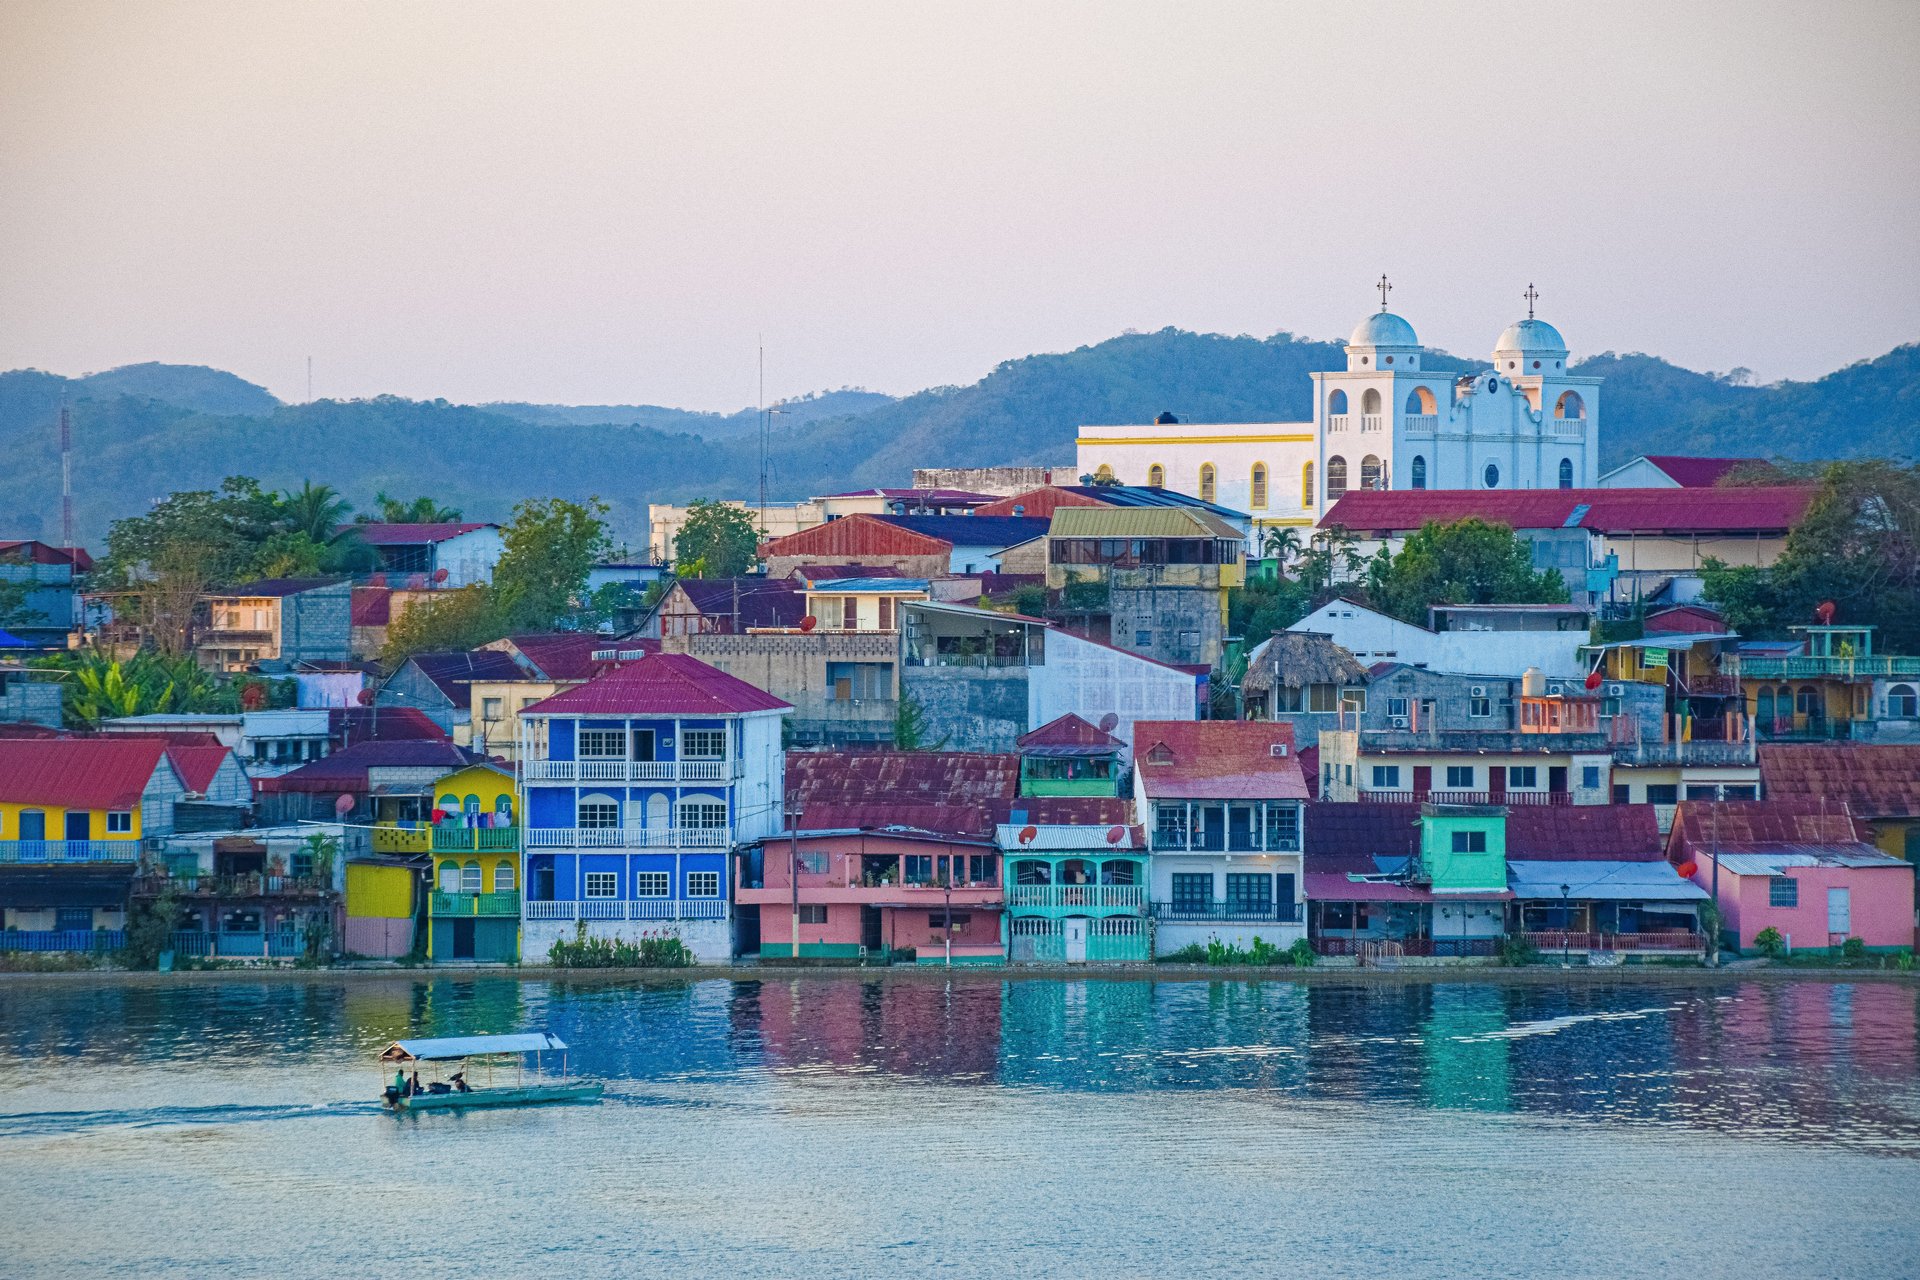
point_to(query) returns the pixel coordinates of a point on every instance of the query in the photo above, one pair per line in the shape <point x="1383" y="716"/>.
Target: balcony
<point x="632" y="770"/>
<point x="245" y="885"/>
<point x="1857" y="668"/>
<point x="226" y="639"/>
<point x="58" y="851"/>
<point x="1568" y="426"/>
<point x="62" y="939"/>
<point x="1423" y="423"/>
<point x="476" y="904"/>
<point x="1237" y="912"/>
<point x="1216" y="842"/>
<point x="628" y="909"/>
<point x="1338" y="422"/>
<point x="1069" y="897"/>
<point x="1677" y="941"/>
<point x="1671" y="754"/>
<point x="629" y="837"/>
<point x="451" y="839"/>
<point x="1370" y="423"/>
<point x="1467" y="797"/>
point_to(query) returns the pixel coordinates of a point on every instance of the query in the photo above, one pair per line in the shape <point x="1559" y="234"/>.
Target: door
<point x="73" y="919"/>
<point x="1422" y="781"/>
<point x="1496" y="783"/>
<point x="870" y="936"/>
<point x="1840" y="913"/>
<point x="79" y="825"/>
<point x="1076" y="939"/>
<point x="1212" y="823"/>
<point x="1557" y="779"/>
<point x="463" y="939"/>
<point x="643" y="744"/>
<point x="33" y="824"/>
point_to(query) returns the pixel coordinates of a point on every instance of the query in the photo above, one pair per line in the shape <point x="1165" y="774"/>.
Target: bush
<point x="1301" y="953"/>
<point x="1516" y="952"/>
<point x="1853" y="949"/>
<point x="1769" y="943"/>
<point x="652" y="951"/>
<point x="1192" y="953"/>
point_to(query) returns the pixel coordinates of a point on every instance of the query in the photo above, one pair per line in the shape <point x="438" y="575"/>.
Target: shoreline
<point x="1532" y="975"/>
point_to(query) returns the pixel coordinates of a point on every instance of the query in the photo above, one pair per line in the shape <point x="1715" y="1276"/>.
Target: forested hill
<point x="145" y="430"/>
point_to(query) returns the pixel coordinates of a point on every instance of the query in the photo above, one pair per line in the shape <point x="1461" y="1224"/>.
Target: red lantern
<point x="1593" y="679"/>
<point x="1686" y="870"/>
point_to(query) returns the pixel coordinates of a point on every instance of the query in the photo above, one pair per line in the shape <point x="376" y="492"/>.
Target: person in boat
<point x="414" y="1087"/>
<point x="398" y="1089"/>
<point x="460" y="1082"/>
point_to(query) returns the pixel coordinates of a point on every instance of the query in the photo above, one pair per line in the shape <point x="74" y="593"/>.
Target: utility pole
<point x="66" y="479"/>
<point x="793" y="872"/>
<point x="1713" y="851"/>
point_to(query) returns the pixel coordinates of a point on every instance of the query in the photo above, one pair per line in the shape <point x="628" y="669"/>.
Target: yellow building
<point x="381" y="906"/>
<point x="475" y="905"/>
<point x="1829" y="690"/>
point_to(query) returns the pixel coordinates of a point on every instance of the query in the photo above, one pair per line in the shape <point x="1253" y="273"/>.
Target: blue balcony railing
<point x="1238" y="912"/>
<point x="69" y="850"/>
<point x="62" y="939"/>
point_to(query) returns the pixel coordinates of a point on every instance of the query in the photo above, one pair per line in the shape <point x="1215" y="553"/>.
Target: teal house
<point x="1076" y="882"/>
<point x="1070" y="757"/>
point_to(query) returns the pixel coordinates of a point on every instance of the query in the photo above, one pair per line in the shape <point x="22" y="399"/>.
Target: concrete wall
<point x="1092" y="680"/>
<point x="710" y="940"/>
<point x="1183" y="624"/>
<point x="1007" y="482"/>
<point x="1881" y="903"/>
<point x="971" y="708"/>
<point x="317" y="625"/>
<point x="1374" y="637"/>
<point x="28" y="701"/>
<point x="794" y="667"/>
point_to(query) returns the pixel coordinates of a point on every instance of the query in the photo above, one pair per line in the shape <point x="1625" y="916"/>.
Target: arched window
<point x="1257" y="485"/>
<point x="472" y="805"/>
<point x="1119" y="871"/>
<point x="1156" y="476"/>
<point x="503" y="876"/>
<point x="449" y="877"/>
<point x="1419" y="472"/>
<point x="1103" y="474"/>
<point x="1902" y="702"/>
<point x="1370" y="403"/>
<point x="470" y="878"/>
<point x="1569" y="405"/>
<point x="597" y="810"/>
<point x="1336" y="478"/>
<point x="1206" y="482"/>
<point x="1337" y="402"/>
<point x="1492" y="475"/>
<point x="1566" y="473"/>
<point x="1420" y="401"/>
<point x="503" y="805"/>
<point x="1370" y="472"/>
<point x="1032" y="871"/>
<point x="1076" y="871"/>
<point x="1306" y="486"/>
<point x="449" y="803"/>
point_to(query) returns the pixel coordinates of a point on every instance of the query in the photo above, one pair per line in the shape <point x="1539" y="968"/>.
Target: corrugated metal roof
<point x="1048" y="837"/>
<point x="79" y="773"/>
<point x="972" y="531"/>
<point x="1597" y="879"/>
<point x="875" y="585"/>
<point x="1139" y="522"/>
<point x="1606" y="510"/>
<point x="1217" y="760"/>
<point x="275" y="587"/>
<point x="664" y="684"/>
<point x="1874" y="781"/>
<point x="1043" y="501"/>
<point x="346" y="770"/>
<point x="1702" y="473"/>
<point x="1071" y="734"/>
<point x="855" y="535"/>
<point x="198" y="765"/>
<point x="411" y="535"/>
<point x="1700" y="824"/>
<point x="1748" y="861"/>
<point x="451" y="673"/>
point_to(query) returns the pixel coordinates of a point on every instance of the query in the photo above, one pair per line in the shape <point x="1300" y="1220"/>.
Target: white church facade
<point x="1381" y="423"/>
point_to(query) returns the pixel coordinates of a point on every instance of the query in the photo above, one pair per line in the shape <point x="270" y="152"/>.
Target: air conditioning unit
<point x="1398" y="722"/>
<point x="1277" y="750"/>
<point x="1477" y="691"/>
<point x="1616" y="691"/>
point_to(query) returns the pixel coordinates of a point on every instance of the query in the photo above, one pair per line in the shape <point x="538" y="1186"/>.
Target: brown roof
<point x="1346" y="836"/>
<point x="1069" y="733"/>
<point x="1038" y="502"/>
<point x="1701" y="824"/>
<point x="855" y="535"/>
<point x="958" y="792"/>
<point x="1296" y="659"/>
<point x="1217" y="760"/>
<point x="1874" y="781"/>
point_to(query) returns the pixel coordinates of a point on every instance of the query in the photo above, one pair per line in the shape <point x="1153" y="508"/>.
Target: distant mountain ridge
<point x="144" y="430"/>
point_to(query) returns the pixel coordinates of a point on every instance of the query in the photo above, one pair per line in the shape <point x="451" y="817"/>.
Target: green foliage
<point x="718" y="540"/>
<point x="1466" y="562"/>
<point x="910" y="727"/>
<point x="315" y="512"/>
<point x="652" y="951"/>
<point x="98" y="688"/>
<point x="551" y="546"/>
<point x="1301" y="953"/>
<point x="1262" y="954"/>
<point x="1853" y="949"/>
<point x="422" y="510"/>
<point x="150" y="926"/>
<point x="1769" y="943"/>
<point x="1257" y="611"/>
<point x="463" y="618"/>
<point x="1516" y="952"/>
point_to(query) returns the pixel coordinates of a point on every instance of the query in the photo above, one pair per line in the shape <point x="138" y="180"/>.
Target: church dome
<point x="1383" y="329"/>
<point x="1530" y="338"/>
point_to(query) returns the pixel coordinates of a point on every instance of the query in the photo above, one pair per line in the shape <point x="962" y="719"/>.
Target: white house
<point x="446" y="554"/>
<point x="1372" y="636"/>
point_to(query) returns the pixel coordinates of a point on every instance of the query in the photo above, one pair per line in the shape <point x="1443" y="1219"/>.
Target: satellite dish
<point x="1593" y="678"/>
<point x="364" y="697"/>
<point x="808" y="623"/>
<point x="1825" y="612"/>
<point x="1028" y="834"/>
<point x="1686" y="870"/>
<point x="343" y="806"/>
<point x="439" y="575"/>
<point x="1116" y="834"/>
<point x="1109" y="722"/>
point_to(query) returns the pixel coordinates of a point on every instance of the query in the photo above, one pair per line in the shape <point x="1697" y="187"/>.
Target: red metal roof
<point x="1348" y="836"/>
<point x="855" y="535"/>
<point x="1686" y="619"/>
<point x="198" y="766"/>
<point x="1070" y="731"/>
<point x="348" y="725"/>
<point x="1069" y="811"/>
<point x="665" y="684"/>
<point x="926" y="497"/>
<point x="411" y="535"/>
<point x="1700" y="825"/>
<point x="957" y="792"/>
<point x="1701" y="473"/>
<point x="1217" y="760"/>
<point x="973" y="530"/>
<point x="346" y="770"/>
<point x="1038" y="502"/>
<point x="568" y="655"/>
<point x="275" y="588"/>
<point x="1873" y="781"/>
<point x="34" y="551"/>
<point x="453" y="673"/>
<point x="1606" y="511"/>
<point x="79" y="773"/>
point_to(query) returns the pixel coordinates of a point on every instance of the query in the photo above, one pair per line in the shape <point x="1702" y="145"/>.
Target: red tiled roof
<point x="1700" y="824"/>
<point x="855" y="535"/>
<point x="346" y="769"/>
<point x="1701" y="473"/>
<point x="1217" y="760"/>
<point x="372" y="606"/>
<point x="1072" y="732"/>
<point x="411" y="535"/>
<point x="78" y="773"/>
<point x="660" y="684"/>
<point x="1038" y="502"/>
<point x="1607" y="510"/>
<point x="34" y="551"/>
<point x="1874" y="781"/>
<point x="198" y="766"/>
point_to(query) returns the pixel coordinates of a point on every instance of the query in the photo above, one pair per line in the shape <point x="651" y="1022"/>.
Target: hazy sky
<point x="610" y="202"/>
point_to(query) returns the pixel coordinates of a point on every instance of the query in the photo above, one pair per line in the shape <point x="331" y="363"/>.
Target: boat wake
<point x="36" y="1124"/>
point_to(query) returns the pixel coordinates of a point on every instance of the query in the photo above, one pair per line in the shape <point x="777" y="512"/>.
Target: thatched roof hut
<point x="1296" y="659"/>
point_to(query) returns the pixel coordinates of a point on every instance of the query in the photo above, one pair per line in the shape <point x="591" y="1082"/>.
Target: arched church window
<point x="1206" y="482"/>
<point x="1103" y="474"/>
<point x="1420" y="401"/>
<point x="1566" y="473"/>
<point x="1370" y="403"/>
<point x="1419" y="472"/>
<point x="1370" y="472"/>
<point x="1570" y="405"/>
<point x="1492" y="475"/>
<point x="1306" y="486"/>
<point x="1257" y="486"/>
<point x="1337" y="402"/>
<point x="1902" y="702"/>
<point x="1336" y="478"/>
<point x="1156" y="476"/>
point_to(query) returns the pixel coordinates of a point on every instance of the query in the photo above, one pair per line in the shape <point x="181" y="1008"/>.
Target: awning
<point x="450" y="1047"/>
<point x="31" y="888"/>
<point x="1336" y="886"/>
<point x="1609" y="881"/>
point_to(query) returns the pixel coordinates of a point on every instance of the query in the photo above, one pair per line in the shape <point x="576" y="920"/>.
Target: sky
<point x="619" y="203"/>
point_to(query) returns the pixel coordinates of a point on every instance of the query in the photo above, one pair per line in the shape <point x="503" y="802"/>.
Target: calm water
<point x="916" y="1128"/>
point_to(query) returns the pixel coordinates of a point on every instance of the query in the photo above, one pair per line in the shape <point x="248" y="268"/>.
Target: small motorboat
<point x="407" y="1092"/>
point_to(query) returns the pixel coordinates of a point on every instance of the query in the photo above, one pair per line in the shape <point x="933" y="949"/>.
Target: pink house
<point x="1803" y="867"/>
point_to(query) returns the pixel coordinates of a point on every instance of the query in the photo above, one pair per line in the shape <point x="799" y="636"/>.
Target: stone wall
<point x="969" y="708"/>
<point x="1005" y="482"/>
<point x="794" y="667"/>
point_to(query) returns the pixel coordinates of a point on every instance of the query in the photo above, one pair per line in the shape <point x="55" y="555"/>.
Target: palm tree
<point x="1282" y="545"/>
<point x="315" y="510"/>
<point x="422" y="510"/>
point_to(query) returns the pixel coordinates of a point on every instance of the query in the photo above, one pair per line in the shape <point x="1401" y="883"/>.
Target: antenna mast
<point x="760" y="408"/>
<point x="66" y="477"/>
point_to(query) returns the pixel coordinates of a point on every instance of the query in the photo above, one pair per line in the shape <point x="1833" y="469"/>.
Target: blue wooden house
<point x="637" y="786"/>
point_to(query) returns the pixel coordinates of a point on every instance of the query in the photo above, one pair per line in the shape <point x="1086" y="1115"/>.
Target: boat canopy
<point x="449" y="1047"/>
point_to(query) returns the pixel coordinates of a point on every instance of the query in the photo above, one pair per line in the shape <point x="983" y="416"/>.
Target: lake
<point x="835" y="1126"/>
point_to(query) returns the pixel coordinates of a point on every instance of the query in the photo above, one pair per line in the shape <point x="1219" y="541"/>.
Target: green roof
<point x="1139" y="522"/>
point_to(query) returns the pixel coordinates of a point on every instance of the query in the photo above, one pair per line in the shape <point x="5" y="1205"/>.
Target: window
<point x="1569" y="405"/>
<point x="1469" y="842"/>
<point x="813" y="913"/>
<point x="813" y="864"/>
<point x="1306" y="485"/>
<point x="918" y="868"/>
<point x="120" y="822"/>
<point x="651" y="884"/>
<point x="1460" y="777"/>
<point x="886" y="613"/>
<point x="503" y="877"/>
<point x="1032" y="871"/>
<point x="449" y="803"/>
<point x="602" y="884"/>
<point x="470" y="878"/>
<point x="703" y="815"/>
<point x="1902" y="704"/>
<point x="940" y="921"/>
<point x="1337" y="402"/>
<point x="1156" y="476"/>
<point x="470" y="805"/>
<point x="1169" y="827"/>
<point x="1492" y="476"/>
<point x="490" y="708"/>
<point x="1662" y="793"/>
<point x="1336" y="478"/>
<point x="1192" y="890"/>
<point x="850" y="613"/>
<point x="598" y="812"/>
<point x="1103" y="474"/>
<point x="980" y="869"/>
<point x="1370" y="472"/>
<point x="1783" y="891"/>
<point x="503" y="805"/>
<point x="1323" y="698"/>
<point x="1141" y="639"/>
<point x="1353" y="701"/>
<point x="1480" y="707"/>
<point x="1622" y="793"/>
<point x="1566" y="473"/>
<point x="1419" y="472"/>
<point x="1521" y="777"/>
<point x="603" y="744"/>
<point x="1370" y="402"/>
<point x="1386" y="777"/>
<point x="1206" y="482"/>
<point x="1590" y="777"/>
<point x="703" y="744"/>
<point x="1283" y="826"/>
<point x="1257" y="485"/>
<point x="703" y="884"/>
<point x="1119" y="872"/>
<point x="1251" y="894"/>
<point x="1397" y="707"/>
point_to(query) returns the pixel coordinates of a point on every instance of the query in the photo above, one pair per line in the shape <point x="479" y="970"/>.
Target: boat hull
<point x="525" y="1096"/>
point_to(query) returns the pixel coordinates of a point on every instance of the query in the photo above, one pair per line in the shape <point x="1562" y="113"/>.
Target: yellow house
<point x="380" y="907"/>
<point x="475" y="908"/>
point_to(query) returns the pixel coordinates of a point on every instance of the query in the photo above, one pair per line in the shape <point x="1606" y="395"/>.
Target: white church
<point x="1382" y="423"/>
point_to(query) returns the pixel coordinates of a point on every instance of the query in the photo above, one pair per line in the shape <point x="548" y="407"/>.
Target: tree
<point x="1281" y="543"/>
<point x="464" y="618"/>
<point x="1467" y="562"/>
<point x="718" y="540"/>
<point x="163" y="562"/>
<point x="422" y="510"/>
<point x="317" y="511"/>
<point x="910" y="727"/>
<point x="101" y="689"/>
<point x="551" y="547"/>
<point x="14" y="597"/>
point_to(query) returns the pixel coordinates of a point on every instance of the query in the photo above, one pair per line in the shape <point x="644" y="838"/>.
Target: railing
<point x="1329" y="945"/>
<point x="1109" y="896"/>
<point x="1870" y="665"/>
<point x="281" y="945"/>
<point x="1549" y="940"/>
<point x="1468" y="797"/>
<point x="245" y="885"/>
<point x="634" y="909"/>
<point x="1251" y="913"/>
<point x="62" y="940"/>
<point x="1337" y="422"/>
<point x="226" y="636"/>
<point x="1423" y="423"/>
<point x="451" y="839"/>
<point x="1685" y="753"/>
<point x="629" y="837"/>
<point x="631" y="770"/>
<point x="1163" y="842"/>
<point x="69" y="850"/>
<point x="1569" y="426"/>
<point x="506" y="903"/>
<point x="1710" y="685"/>
<point x="1369" y="423"/>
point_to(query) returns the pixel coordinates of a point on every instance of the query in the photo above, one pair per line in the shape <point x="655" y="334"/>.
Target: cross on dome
<point x="1532" y="295"/>
<point x="1384" y="287"/>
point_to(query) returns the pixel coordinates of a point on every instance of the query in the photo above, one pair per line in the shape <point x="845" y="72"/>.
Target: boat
<point x="485" y="1052"/>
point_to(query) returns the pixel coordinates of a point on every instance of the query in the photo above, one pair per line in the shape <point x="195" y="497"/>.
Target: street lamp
<point x="1566" y="923"/>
